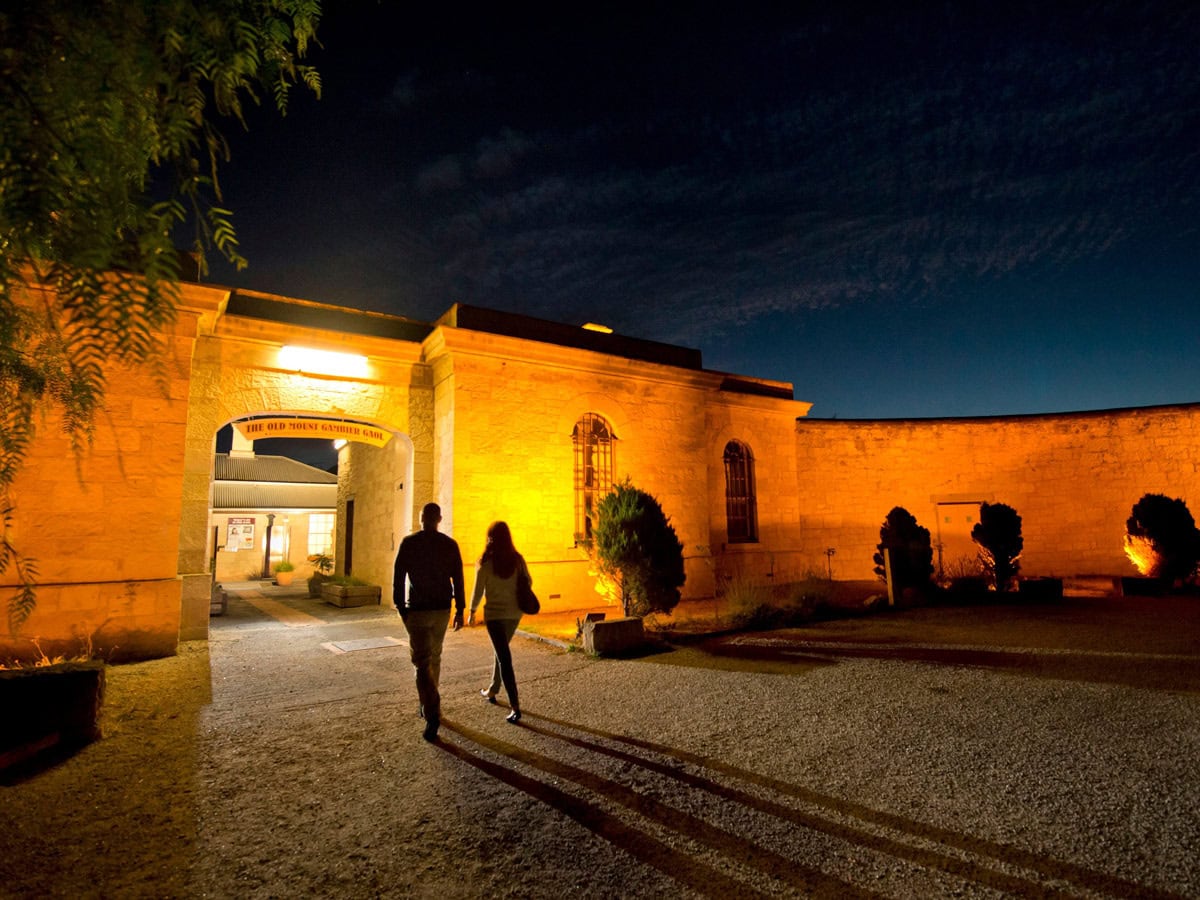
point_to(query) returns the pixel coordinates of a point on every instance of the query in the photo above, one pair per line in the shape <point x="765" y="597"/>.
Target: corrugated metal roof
<point x="278" y="469"/>
<point x="243" y="495"/>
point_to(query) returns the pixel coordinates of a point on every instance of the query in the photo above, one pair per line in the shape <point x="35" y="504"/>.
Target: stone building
<point x="268" y="509"/>
<point x="499" y="416"/>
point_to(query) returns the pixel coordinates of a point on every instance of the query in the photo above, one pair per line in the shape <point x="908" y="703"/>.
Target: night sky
<point x="904" y="213"/>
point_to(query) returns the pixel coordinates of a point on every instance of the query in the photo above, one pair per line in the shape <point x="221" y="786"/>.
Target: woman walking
<point x="496" y="578"/>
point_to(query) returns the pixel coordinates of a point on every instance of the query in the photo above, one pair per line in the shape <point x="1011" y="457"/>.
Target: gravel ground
<point x="990" y="752"/>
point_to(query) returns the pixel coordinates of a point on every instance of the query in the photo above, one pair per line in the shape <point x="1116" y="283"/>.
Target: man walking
<point x="433" y="563"/>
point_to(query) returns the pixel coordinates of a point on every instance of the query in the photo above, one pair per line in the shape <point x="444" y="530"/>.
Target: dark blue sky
<point x="903" y="212"/>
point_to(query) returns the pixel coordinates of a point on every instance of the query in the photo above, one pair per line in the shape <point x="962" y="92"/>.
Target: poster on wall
<point x="241" y="534"/>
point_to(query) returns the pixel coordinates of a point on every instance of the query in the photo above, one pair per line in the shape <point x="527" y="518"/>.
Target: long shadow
<point x="1007" y="854"/>
<point x="693" y="873"/>
<point x="1159" y="672"/>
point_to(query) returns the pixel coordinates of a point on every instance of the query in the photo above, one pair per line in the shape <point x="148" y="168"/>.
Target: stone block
<point x="1137" y="586"/>
<point x="346" y="595"/>
<point x="1040" y="590"/>
<point x="613" y="636"/>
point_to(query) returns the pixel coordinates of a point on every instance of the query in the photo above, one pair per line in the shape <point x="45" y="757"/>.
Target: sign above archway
<point x="322" y="429"/>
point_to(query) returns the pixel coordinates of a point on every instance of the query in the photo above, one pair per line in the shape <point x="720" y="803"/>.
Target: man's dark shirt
<point x="433" y="561"/>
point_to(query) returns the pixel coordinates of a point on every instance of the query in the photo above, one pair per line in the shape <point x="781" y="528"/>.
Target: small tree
<point x="1161" y="538"/>
<point x="909" y="550"/>
<point x="998" y="534"/>
<point x="637" y="549"/>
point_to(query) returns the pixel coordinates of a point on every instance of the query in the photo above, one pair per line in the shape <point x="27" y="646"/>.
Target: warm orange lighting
<point x="323" y="362"/>
<point x="592" y="326"/>
<point x="605" y="586"/>
<point x="1142" y="554"/>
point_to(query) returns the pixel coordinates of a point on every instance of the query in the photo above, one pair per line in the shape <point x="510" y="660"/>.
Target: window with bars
<point x="593" y="442"/>
<point x="741" y="507"/>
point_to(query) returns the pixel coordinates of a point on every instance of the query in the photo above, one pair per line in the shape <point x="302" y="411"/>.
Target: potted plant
<point x="322" y="569"/>
<point x="345" y="590"/>
<point x="285" y="572"/>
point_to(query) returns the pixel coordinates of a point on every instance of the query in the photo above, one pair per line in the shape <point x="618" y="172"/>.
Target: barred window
<point x="741" y="508"/>
<point x="593" y="440"/>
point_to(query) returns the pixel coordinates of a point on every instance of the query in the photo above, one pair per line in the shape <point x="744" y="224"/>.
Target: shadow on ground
<point x="745" y="793"/>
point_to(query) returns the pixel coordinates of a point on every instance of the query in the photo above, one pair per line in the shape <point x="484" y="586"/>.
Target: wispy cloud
<point x="823" y="180"/>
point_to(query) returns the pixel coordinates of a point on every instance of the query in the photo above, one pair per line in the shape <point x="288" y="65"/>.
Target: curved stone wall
<point x="1072" y="477"/>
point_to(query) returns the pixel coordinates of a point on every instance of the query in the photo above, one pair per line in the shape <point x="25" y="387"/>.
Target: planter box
<point x="50" y="710"/>
<point x="613" y="636"/>
<point x="1138" y="586"/>
<point x="968" y="588"/>
<point x="351" y="594"/>
<point x="1040" y="589"/>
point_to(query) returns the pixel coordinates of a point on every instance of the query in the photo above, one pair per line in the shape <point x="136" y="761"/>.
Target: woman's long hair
<point x="500" y="550"/>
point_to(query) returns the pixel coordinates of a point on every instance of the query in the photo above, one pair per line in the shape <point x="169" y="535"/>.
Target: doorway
<point x="957" y="554"/>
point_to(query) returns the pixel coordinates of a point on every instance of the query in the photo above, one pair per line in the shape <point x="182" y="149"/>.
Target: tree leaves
<point x="637" y="548"/>
<point x="109" y="113"/>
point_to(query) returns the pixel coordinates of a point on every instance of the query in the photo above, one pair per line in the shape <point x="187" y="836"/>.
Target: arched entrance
<point x="275" y="515"/>
<point x="239" y="378"/>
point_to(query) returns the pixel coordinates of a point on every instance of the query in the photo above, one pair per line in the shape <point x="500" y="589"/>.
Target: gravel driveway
<point x="1047" y="751"/>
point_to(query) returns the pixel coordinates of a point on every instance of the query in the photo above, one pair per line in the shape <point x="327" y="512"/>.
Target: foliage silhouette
<point x="998" y="534"/>
<point x="909" y="549"/>
<point x="1161" y="538"/>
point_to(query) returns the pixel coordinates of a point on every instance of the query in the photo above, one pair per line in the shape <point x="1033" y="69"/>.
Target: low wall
<point x="1073" y="478"/>
<point x="114" y="621"/>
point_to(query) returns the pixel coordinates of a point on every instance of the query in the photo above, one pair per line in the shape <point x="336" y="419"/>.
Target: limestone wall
<point x="377" y="479"/>
<point x="767" y="427"/>
<point x="1073" y="478"/>
<point x="515" y="404"/>
<point x="482" y="424"/>
<point x="103" y="526"/>
<point x="237" y="372"/>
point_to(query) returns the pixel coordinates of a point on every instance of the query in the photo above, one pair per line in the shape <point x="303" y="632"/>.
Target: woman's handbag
<point x="527" y="600"/>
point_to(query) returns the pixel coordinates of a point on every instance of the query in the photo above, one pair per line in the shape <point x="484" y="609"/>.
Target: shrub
<point x="909" y="549"/>
<point x="637" y="549"/>
<point x="749" y="604"/>
<point x="346" y="581"/>
<point x="998" y="534"/>
<point x="1161" y="538"/>
<point x="755" y="606"/>
<point x="284" y="566"/>
<point x="957" y="568"/>
<point x="322" y="563"/>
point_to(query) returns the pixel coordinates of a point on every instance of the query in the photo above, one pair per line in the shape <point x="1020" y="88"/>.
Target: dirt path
<point x="267" y="764"/>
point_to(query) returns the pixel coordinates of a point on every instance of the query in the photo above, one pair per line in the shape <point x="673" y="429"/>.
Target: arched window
<point x="741" y="508"/>
<point x="593" y="442"/>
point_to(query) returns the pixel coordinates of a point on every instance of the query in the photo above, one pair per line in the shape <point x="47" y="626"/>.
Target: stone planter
<point x="1142" y="586"/>
<point x="1040" y="590"/>
<point x="315" y="583"/>
<point x="968" y="589"/>
<point x="218" y="603"/>
<point x="613" y="637"/>
<point x="49" y="711"/>
<point x="285" y="579"/>
<point x="351" y="594"/>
